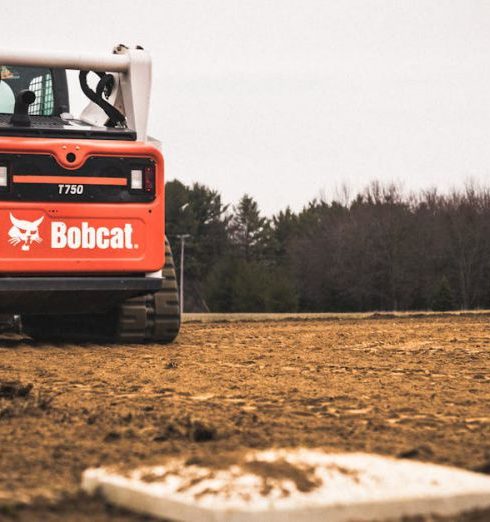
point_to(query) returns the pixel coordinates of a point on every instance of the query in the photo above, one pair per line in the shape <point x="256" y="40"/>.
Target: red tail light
<point x="149" y="178"/>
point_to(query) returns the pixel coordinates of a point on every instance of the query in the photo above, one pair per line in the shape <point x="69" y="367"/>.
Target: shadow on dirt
<point x="87" y="509"/>
<point x="16" y="341"/>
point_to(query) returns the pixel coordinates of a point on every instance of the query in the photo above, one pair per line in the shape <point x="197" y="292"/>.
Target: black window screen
<point x="42" y="87"/>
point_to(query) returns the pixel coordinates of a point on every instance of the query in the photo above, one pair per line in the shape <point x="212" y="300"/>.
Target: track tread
<point x="161" y="311"/>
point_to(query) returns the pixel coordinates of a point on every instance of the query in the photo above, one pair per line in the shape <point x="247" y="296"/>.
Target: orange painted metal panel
<point x="44" y="237"/>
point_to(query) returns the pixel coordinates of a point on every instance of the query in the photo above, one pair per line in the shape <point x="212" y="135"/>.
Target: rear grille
<point x="100" y="179"/>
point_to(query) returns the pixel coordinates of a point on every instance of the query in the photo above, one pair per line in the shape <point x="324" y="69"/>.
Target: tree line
<point x="379" y="249"/>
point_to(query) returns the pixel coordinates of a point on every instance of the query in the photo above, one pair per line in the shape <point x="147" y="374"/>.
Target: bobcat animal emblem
<point x="25" y="232"/>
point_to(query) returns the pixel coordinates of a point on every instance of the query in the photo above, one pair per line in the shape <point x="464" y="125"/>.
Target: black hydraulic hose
<point x="106" y="82"/>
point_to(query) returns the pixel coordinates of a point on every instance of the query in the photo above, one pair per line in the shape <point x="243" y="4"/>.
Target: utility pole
<point x="182" y="238"/>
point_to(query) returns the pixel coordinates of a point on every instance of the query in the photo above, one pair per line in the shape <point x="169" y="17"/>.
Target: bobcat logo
<point x="25" y="232"/>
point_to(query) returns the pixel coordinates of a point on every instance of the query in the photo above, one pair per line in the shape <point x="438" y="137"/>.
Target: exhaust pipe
<point x="20" y="117"/>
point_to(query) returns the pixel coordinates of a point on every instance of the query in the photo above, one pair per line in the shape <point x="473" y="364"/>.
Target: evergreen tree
<point x="196" y="211"/>
<point x="249" y="231"/>
<point x="178" y="218"/>
<point x="284" y="229"/>
<point x="442" y="296"/>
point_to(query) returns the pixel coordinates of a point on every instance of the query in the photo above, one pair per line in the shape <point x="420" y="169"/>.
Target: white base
<point x="355" y="486"/>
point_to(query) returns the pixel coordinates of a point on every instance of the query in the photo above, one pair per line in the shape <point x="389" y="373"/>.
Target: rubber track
<point x="154" y="317"/>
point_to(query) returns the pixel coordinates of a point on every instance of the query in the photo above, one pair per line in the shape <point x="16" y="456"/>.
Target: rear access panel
<point x="71" y="238"/>
<point x="100" y="225"/>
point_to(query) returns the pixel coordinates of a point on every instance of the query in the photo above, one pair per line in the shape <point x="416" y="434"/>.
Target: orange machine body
<point x="57" y="237"/>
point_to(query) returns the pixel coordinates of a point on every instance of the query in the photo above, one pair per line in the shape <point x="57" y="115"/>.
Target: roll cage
<point x="131" y="69"/>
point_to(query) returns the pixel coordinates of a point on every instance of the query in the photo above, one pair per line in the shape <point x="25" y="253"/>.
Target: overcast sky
<point x="288" y="99"/>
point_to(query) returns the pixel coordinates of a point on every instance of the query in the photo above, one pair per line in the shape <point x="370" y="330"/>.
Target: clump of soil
<point x="14" y="389"/>
<point x="419" y="453"/>
<point x="17" y="399"/>
<point x="303" y="478"/>
<point x="189" y="428"/>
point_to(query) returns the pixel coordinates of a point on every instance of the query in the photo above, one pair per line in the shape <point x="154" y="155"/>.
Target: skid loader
<point x="83" y="253"/>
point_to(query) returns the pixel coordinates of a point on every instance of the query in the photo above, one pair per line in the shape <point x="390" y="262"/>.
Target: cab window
<point x="37" y="79"/>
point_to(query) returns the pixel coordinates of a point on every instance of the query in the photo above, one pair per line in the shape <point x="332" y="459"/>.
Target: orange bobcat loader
<point x="83" y="253"/>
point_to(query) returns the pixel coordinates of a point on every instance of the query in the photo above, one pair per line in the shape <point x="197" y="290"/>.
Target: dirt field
<point x="415" y="387"/>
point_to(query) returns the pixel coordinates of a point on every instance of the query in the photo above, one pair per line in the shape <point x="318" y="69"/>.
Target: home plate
<point x="286" y="485"/>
